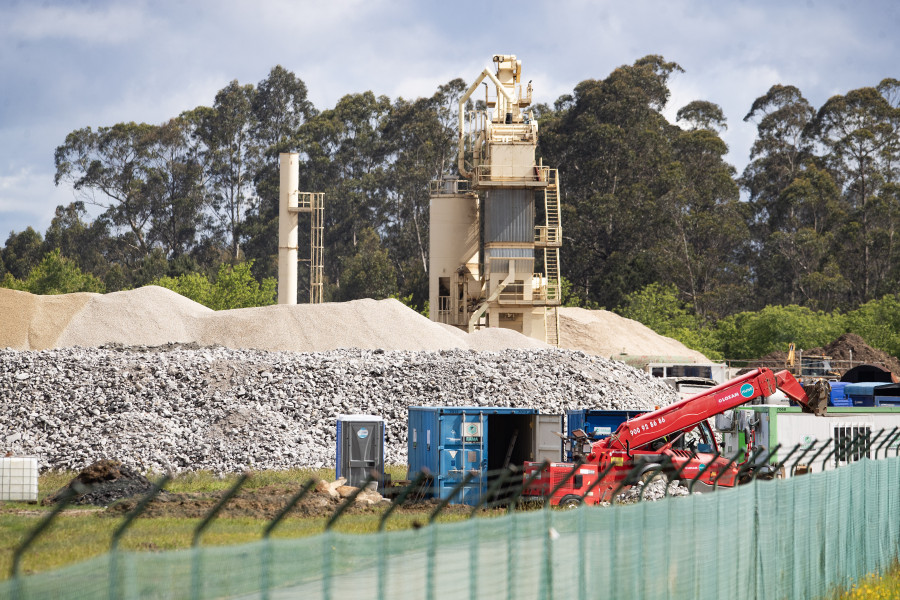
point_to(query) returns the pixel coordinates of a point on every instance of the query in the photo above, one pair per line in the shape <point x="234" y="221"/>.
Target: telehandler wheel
<point x="654" y="474"/>
<point x="570" y="501"/>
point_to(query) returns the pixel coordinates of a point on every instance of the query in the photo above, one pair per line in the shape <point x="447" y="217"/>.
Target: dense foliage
<point x="651" y="210"/>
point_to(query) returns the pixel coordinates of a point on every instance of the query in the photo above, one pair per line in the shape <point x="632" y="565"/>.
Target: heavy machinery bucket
<point x="813" y="397"/>
<point x="817" y="394"/>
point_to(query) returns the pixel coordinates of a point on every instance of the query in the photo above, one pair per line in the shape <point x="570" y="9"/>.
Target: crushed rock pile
<point x="655" y="490"/>
<point x="187" y="408"/>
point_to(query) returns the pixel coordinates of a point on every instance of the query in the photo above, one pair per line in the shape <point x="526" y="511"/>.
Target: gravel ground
<point x="184" y="407"/>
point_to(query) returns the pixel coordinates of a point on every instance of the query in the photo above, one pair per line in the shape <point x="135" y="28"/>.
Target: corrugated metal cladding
<point x="509" y="216"/>
<point x="502" y="266"/>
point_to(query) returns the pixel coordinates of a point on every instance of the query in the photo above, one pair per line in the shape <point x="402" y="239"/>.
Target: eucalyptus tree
<point x="230" y="152"/>
<point x="781" y="153"/>
<point x="108" y="168"/>
<point x="176" y="186"/>
<point x="421" y="136"/>
<point x="613" y="149"/>
<point x="703" y="248"/>
<point x="859" y="133"/>
<point x="343" y="154"/>
<point x="280" y="107"/>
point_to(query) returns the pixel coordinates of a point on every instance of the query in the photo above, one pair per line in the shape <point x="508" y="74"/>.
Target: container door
<point x="462" y="452"/>
<point x="548" y="445"/>
<point x="364" y="445"/>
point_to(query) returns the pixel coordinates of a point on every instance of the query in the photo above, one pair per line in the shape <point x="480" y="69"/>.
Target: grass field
<point x="82" y="532"/>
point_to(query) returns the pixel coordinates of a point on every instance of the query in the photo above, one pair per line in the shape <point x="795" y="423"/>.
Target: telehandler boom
<point x="674" y="438"/>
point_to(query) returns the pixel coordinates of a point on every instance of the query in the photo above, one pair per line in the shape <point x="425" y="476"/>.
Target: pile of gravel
<point x="186" y="408"/>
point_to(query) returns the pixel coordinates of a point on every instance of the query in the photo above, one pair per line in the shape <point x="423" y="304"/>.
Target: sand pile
<point x="369" y="324"/>
<point x="605" y="333"/>
<point x="155" y="316"/>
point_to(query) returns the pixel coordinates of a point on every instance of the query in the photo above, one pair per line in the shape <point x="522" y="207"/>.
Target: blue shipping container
<point x="887" y="394"/>
<point x="597" y="423"/>
<point x="451" y="441"/>
<point x="862" y="394"/>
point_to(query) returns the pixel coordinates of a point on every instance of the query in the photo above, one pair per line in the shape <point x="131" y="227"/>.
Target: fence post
<point x="835" y="449"/>
<point x="195" y="558"/>
<point x="748" y="464"/>
<point x="666" y="462"/>
<point x="701" y="470"/>
<point x="514" y="501"/>
<point x="429" y="569"/>
<point x="120" y="531"/>
<point x="715" y="482"/>
<point x="401" y="497"/>
<point x="629" y="479"/>
<point x="596" y="483"/>
<point x="333" y="519"/>
<point x="885" y="441"/>
<point x="327" y="555"/>
<point x="76" y="488"/>
<point x="494" y="489"/>
<point x="799" y="458"/>
<point x="676" y="476"/>
<point x="870" y="441"/>
<point x="782" y="462"/>
<point x="267" y="547"/>
<point x="397" y="501"/>
<point x="768" y="457"/>
<point x="812" y="460"/>
<point x="547" y="572"/>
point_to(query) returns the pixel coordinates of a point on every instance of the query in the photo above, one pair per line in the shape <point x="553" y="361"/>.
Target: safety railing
<point x="547" y="236"/>
<point x="438" y="187"/>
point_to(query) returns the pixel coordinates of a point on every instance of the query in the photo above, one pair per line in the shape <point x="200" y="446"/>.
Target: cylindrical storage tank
<point x="360" y="448"/>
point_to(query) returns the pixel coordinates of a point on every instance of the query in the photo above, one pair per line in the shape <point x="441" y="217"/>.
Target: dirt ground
<point x="108" y="483"/>
<point x="260" y="503"/>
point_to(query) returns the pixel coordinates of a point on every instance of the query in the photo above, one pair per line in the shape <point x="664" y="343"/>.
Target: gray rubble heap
<point x="189" y="408"/>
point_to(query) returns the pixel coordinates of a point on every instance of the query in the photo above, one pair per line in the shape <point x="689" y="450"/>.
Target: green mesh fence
<point x="794" y="538"/>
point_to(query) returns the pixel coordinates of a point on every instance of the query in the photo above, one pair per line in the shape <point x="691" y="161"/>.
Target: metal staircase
<point x="551" y="325"/>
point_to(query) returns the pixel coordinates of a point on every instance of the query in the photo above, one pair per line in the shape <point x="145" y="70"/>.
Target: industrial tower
<point x="484" y="231"/>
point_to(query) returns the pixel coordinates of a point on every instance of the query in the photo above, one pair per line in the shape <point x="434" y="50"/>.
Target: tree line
<point x="645" y="201"/>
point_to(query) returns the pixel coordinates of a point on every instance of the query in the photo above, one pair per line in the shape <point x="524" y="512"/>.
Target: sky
<point x="65" y="65"/>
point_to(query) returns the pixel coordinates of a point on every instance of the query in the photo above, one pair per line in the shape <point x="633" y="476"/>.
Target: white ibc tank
<point x="19" y="478"/>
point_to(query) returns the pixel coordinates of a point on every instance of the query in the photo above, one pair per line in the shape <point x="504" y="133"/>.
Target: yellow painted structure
<point x="492" y="228"/>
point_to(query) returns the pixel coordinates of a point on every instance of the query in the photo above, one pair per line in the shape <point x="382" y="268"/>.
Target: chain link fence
<point x="786" y="538"/>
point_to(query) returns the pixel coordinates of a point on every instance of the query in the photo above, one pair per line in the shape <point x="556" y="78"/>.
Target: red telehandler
<point x="673" y="439"/>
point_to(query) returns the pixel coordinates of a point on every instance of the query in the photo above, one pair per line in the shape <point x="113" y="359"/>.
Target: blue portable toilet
<point x="451" y="441"/>
<point x="839" y="394"/>
<point x="360" y="448"/>
<point x="863" y="393"/>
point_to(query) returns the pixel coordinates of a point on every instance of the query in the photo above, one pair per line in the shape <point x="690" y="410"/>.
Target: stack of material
<point x="228" y="410"/>
<point x="152" y="316"/>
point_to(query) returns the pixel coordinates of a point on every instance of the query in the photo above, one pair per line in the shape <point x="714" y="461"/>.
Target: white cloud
<point x="29" y="198"/>
<point x="114" y="24"/>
